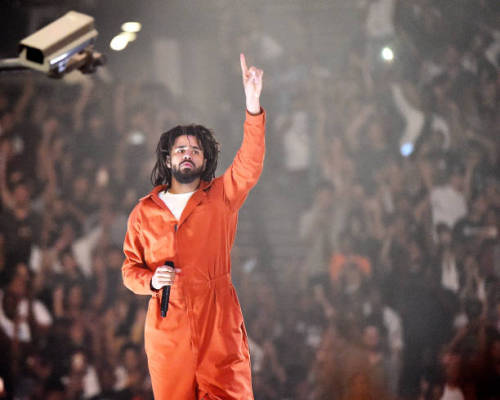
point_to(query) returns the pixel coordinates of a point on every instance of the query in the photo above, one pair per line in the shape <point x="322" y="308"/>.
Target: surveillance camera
<point x="61" y="46"/>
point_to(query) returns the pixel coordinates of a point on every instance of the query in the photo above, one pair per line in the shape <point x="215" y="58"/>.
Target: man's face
<point x="186" y="159"/>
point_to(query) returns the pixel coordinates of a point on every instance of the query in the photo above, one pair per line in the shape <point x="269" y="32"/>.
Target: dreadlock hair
<point x="162" y="175"/>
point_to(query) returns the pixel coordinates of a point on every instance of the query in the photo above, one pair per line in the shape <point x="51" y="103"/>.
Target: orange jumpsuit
<point x="200" y="349"/>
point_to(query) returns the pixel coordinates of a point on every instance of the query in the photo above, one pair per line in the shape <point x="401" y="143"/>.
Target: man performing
<point x="200" y="349"/>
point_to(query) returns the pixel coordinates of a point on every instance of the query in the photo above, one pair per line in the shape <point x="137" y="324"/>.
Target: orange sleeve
<point x="247" y="166"/>
<point x="136" y="275"/>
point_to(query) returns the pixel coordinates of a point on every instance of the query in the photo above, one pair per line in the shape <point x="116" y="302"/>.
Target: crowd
<point x="395" y="165"/>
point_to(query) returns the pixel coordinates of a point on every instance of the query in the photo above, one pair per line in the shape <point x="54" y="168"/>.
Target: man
<point x="200" y="349"/>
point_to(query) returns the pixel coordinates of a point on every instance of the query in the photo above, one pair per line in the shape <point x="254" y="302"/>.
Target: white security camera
<point x="62" y="46"/>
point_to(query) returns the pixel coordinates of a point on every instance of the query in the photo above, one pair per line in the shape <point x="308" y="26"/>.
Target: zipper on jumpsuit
<point x="180" y="287"/>
<point x="187" y="301"/>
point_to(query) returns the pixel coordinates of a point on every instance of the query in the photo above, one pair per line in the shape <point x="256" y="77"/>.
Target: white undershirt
<point x="175" y="202"/>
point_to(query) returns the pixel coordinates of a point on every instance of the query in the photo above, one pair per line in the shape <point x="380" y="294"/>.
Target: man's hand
<point x="252" y="82"/>
<point x="164" y="276"/>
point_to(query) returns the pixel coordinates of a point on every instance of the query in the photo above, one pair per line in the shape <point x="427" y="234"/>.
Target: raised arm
<point x="245" y="170"/>
<point x="252" y="82"/>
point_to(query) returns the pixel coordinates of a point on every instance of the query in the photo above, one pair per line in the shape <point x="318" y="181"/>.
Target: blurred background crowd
<point x="367" y="260"/>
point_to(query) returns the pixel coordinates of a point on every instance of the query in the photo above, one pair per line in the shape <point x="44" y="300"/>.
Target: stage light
<point x="387" y="54"/>
<point x="59" y="48"/>
<point x="131" y="36"/>
<point x="131" y="27"/>
<point x="119" y="42"/>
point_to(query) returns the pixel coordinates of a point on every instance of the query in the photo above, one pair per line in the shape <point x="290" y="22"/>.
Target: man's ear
<point x="168" y="162"/>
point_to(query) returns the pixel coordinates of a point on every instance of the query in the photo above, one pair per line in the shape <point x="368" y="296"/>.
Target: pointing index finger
<point x="243" y="63"/>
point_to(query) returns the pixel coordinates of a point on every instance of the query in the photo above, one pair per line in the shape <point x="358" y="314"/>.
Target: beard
<point x="188" y="175"/>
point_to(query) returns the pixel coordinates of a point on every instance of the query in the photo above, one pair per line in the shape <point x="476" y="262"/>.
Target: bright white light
<point x="406" y="149"/>
<point x="131" y="36"/>
<point x="131" y="27"/>
<point x="387" y="54"/>
<point x="119" y="42"/>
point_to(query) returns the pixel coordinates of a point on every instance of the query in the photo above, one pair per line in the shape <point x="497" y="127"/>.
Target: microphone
<point x="165" y="294"/>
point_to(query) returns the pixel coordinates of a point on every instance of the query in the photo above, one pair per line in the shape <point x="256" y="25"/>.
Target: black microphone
<point x="165" y="294"/>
